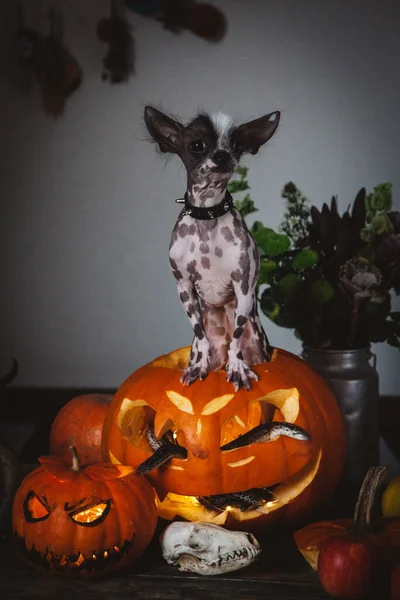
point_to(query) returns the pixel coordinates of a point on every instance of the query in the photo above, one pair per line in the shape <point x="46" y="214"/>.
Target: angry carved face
<point x="83" y="523"/>
<point x="229" y="453"/>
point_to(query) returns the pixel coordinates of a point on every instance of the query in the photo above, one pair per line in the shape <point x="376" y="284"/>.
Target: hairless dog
<point x="213" y="256"/>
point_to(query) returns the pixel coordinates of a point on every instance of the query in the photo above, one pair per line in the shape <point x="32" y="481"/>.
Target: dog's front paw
<point x="198" y="364"/>
<point x="239" y="373"/>
<point x="192" y="373"/>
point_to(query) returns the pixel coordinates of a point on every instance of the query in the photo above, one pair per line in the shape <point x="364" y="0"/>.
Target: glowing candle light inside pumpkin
<point x="90" y="514"/>
<point x="79" y="560"/>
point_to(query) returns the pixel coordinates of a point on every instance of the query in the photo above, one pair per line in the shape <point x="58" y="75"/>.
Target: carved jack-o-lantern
<point x="83" y="521"/>
<point x="217" y="455"/>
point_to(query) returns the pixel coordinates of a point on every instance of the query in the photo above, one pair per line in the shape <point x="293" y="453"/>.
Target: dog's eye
<point x="237" y="148"/>
<point x="197" y="146"/>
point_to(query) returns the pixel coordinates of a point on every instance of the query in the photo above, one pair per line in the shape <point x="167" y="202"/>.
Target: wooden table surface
<point x="281" y="573"/>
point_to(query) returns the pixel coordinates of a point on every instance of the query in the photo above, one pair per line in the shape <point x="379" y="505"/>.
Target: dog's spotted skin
<point x="219" y="302"/>
<point x="216" y="262"/>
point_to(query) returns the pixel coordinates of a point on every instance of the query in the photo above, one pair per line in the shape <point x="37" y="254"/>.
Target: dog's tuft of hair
<point x="223" y="124"/>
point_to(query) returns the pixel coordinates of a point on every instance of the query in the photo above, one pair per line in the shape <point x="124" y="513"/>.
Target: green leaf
<point x="236" y="186"/>
<point x="270" y="242"/>
<point x="267" y="267"/>
<point x="368" y="207"/>
<point x="242" y="170"/>
<point x="321" y="291"/>
<point x="246" y="206"/>
<point x="382" y="224"/>
<point x="275" y="310"/>
<point x="256" y="226"/>
<point x="291" y="285"/>
<point x="381" y="197"/>
<point x="305" y="258"/>
<point x="367" y="234"/>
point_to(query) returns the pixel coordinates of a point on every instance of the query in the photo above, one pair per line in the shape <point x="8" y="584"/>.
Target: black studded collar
<point x="207" y="213"/>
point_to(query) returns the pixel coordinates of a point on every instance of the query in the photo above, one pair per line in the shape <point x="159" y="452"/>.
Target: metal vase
<point x="355" y="383"/>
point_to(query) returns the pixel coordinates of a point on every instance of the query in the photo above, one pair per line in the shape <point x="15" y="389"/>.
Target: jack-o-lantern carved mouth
<point x="241" y="506"/>
<point x="247" y="500"/>
<point x="96" y="560"/>
<point x="167" y="448"/>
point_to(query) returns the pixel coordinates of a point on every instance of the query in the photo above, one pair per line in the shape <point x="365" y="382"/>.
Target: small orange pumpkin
<point x="80" y="424"/>
<point x="83" y="521"/>
<point x="208" y="415"/>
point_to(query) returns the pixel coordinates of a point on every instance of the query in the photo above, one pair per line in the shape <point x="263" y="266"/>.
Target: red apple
<point x="395" y="583"/>
<point x="346" y="566"/>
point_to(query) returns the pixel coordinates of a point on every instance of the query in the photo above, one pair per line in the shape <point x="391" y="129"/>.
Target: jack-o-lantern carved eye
<point x="133" y="420"/>
<point x="172" y="431"/>
<point x="260" y="426"/>
<point x="91" y="514"/>
<point x="35" y="509"/>
<point x="136" y="417"/>
<point x="258" y="412"/>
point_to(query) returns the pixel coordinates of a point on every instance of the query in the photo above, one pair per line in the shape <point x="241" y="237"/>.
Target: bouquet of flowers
<point x="330" y="277"/>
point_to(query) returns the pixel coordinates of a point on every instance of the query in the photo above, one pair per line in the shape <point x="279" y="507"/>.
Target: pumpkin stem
<point x="363" y="521"/>
<point x="76" y="465"/>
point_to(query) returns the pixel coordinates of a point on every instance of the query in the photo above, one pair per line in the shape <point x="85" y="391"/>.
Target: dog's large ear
<point x="250" y="136"/>
<point x="165" y="131"/>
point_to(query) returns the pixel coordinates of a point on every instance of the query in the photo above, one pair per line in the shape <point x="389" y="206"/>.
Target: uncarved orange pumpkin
<point x="208" y="414"/>
<point x="80" y="424"/>
<point x="83" y="521"/>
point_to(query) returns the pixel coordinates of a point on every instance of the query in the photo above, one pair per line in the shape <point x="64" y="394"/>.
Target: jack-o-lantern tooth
<point x="267" y="432"/>
<point x="239" y="421"/>
<point x="162" y="424"/>
<point x="181" y="402"/>
<point x="240" y="463"/>
<point x="113" y="459"/>
<point x="217" y="404"/>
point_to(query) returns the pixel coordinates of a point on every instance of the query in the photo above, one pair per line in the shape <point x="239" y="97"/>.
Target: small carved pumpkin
<point x="80" y="424"/>
<point x="220" y="470"/>
<point x="83" y="521"/>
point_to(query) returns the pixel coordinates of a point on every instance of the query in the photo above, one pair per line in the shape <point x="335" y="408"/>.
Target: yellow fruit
<point x="391" y="499"/>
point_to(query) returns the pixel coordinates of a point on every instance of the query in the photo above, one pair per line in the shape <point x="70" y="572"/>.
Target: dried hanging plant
<point x="55" y="69"/>
<point x="118" y="64"/>
<point x="200" y="18"/>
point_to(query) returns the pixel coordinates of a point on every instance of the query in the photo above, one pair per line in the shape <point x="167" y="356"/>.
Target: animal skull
<point x="207" y="549"/>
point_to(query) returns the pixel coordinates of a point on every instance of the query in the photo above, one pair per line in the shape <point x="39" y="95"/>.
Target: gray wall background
<point x="88" y="206"/>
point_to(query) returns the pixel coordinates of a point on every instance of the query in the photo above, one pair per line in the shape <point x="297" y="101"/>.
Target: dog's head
<point x="210" y="146"/>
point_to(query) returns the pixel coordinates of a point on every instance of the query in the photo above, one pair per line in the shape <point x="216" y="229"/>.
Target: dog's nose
<point x="222" y="158"/>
